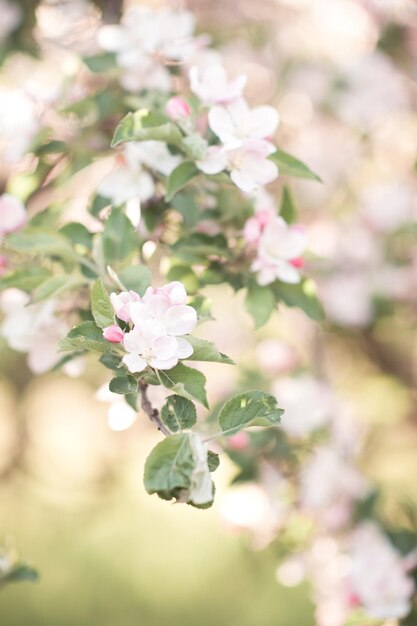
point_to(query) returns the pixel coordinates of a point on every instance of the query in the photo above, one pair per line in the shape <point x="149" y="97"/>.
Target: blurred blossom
<point x="120" y="416"/>
<point x="387" y="207"/>
<point x="308" y="404"/>
<point x="276" y="357"/>
<point x="347" y="299"/>
<point x="291" y="572"/>
<point x="11" y="16"/>
<point x="32" y="328"/>
<point x="19" y="121"/>
<point x="340" y="485"/>
<point x="68" y="24"/>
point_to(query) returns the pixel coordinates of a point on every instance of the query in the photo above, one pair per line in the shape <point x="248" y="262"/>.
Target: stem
<point x="152" y="413"/>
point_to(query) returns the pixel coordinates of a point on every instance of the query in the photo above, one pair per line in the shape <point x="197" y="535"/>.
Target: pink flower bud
<point x="177" y="109"/>
<point x="298" y="262"/>
<point x="113" y="333"/>
<point x="239" y="442"/>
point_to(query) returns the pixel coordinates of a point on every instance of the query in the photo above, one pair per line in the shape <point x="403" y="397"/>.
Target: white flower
<point x="153" y="154"/>
<point x="249" y="165"/>
<point x="176" y="319"/>
<point x="147" y="344"/>
<point x="121" y="301"/>
<point x="308" y="404"/>
<point x="347" y="298"/>
<point x="12" y="214"/>
<point x="125" y="183"/>
<point x="237" y="123"/>
<point x="212" y="86"/>
<point x="201" y="488"/>
<point x="145" y="33"/>
<point x="19" y="121"/>
<point x="278" y="253"/>
<point x="378" y="574"/>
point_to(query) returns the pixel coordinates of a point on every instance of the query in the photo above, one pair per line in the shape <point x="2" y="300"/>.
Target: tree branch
<point x="152" y="413"/>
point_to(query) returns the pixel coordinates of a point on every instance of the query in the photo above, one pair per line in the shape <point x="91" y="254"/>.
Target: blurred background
<point x="342" y="75"/>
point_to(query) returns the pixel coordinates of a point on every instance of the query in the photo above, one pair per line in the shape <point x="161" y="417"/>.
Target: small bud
<point x="177" y="109"/>
<point x="4" y="265"/>
<point x="298" y="262"/>
<point x="113" y="333"/>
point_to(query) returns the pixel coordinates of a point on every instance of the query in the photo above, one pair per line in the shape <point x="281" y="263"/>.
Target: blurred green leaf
<point x="252" y="408"/>
<point x="179" y="178"/>
<point x="55" y="285"/>
<point x="287" y="209"/>
<point x="287" y="164"/>
<point x="119" y="237"/>
<point x="136" y="277"/>
<point x="259" y="303"/>
<point x="302" y="295"/>
<point x="26" y="279"/>
<point x="145" y="126"/>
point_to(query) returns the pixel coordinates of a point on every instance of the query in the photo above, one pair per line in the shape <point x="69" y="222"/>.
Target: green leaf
<point x="169" y="466"/>
<point x="136" y="277"/>
<point x="252" y="408"/>
<point x="55" y="285"/>
<point x="98" y="204"/>
<point x="186" y="203"/>
<point x="26" y="279"/>
<point x="302" y="296"/>
<point x="287" y="164"/>
<point x="145" y="126"/>
<point x="78" y="234"/>
<point x="206" y="351"/>
<point x="213" y="460"/>
<point x="37" y="241"/>
<point x="119" y="237"/>
<point x="99" y="63"/>
<point x="101" y="306"/>
<point x="287" y="209"/>
<point x="179" y="178"/>
<point x="178" y="413"/>
<point x="111" y="361"/>
<point x="85" y="336"/>
<point x="20" y="572"/>
<point x="186" y="382"/>
<point x="259" y="303"/>
<point x="198" y="246"/>
<point x="123" y="385"/>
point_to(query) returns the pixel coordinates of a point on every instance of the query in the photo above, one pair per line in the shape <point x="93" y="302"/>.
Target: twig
<point x="152" y="413"/>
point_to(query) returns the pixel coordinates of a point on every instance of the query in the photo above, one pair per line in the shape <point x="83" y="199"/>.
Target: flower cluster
<point x="157" y="323"/>
<point x="278" y="247"/>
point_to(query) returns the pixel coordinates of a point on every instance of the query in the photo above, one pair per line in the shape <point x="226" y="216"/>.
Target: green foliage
<point x="26" y="279"/>
<point x="287" y="209"/>
<point x="169" y="466"/>
<point x="136" y="277"/>
<point x="178" y="413"/>
<point x="287" y="164"/>
<point x="213" y="460"/>
<point x="101" y="306"/>
<point x="78" y="234"/>
<point x="56" y="285"/>
<point x="206" y="351"/>
<point x="252" y="408"/>
<point x="19" y="572"/>
<point x="119" y="237"/>
<point x="123" y="385"/>
<point x="197" y="247"/>
<point x="259" y="303"/>
<point x="302" y="295"/>
<point x="143" y="125"/>
<point x="186" y="382"/>
<point x="41" y="242"/>
<point x="85" y="336"/>
<point x="179" y="178"/>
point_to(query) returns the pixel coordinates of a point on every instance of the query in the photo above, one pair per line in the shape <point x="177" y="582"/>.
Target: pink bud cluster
<point x="157" y="323"/>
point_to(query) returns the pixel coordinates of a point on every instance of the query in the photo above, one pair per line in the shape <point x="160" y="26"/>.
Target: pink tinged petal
<point x="264" y="121"/>
<point x="135" y="341"/>
<point x="12" y="214"/>
<point x="138" y="312"/>
<point x="221" y="123"/>
<point x="214" y="162"/>
<point x="184" y="348"/>
<point x="165" y="347"/>
<point x="158" y="305"/>
<point x="266" y="276"/>
<point x="176" y="292"/>
<point x="164" y="364"/>
<point x="134" y="363"/>
<point x="287" y="273"/>
<point x="180" y="319"/>
<point x="113" y="333"/>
